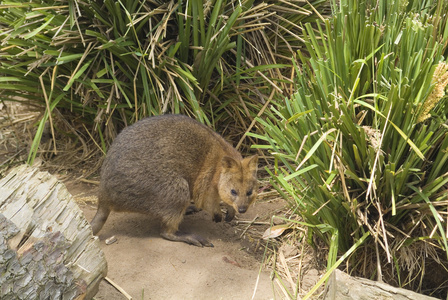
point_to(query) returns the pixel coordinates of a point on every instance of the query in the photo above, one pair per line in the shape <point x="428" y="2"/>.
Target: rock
<point x="342" y="286"/>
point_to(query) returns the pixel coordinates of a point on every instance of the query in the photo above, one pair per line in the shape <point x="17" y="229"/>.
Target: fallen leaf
<point x="275" y="231"/>
<point x="227" y="260"/>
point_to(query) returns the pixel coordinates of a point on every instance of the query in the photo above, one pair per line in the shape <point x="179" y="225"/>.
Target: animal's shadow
<point x="146" y="226"/>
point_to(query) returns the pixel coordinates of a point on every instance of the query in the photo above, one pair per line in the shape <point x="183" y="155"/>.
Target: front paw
<point x="192" y="210"/>
<point x="230" y="214"/>
<point x="217" y="217"/>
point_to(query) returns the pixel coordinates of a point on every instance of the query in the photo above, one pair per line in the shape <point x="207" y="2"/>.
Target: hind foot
<point x="189" y="238"/>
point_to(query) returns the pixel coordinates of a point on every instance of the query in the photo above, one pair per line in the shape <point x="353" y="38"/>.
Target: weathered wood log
<point x="47" y="250"/>
<point x="342" y="286"/>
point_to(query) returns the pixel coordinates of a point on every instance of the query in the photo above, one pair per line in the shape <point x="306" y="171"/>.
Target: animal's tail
<point x="100" y="217"/>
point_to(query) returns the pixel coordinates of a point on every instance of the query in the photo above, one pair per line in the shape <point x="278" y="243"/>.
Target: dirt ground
<point x="146" y="266"/>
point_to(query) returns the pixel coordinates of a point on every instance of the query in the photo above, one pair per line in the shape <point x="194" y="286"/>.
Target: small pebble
<point x="111" y="240"/>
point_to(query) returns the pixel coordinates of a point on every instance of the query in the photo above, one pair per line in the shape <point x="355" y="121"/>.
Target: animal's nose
<point x="242" y="209"/>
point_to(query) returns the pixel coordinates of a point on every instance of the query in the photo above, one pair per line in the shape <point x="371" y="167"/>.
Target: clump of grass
<point x="101" y="65"/>
<point x="362" y="144"/>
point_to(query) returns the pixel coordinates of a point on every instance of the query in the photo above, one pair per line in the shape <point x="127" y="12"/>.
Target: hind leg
<point x="100" y="218"/>
<point x="170" y="232"/>
<point x="172" y="215"/>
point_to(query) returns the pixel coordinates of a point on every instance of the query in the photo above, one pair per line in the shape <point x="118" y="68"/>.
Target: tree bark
<point x="47" y="250"/>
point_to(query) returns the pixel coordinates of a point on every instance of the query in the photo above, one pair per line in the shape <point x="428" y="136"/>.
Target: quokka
<point x="161" y="164"/>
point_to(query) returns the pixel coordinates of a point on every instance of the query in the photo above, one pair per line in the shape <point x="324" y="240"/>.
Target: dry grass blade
<point x="120" y="289"/>
<point x="285" y="267"/>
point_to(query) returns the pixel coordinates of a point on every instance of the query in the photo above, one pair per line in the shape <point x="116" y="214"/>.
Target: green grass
<point x="359" y="133"/>
<point x="362" y="143"/>
<point x="106" y="64"/>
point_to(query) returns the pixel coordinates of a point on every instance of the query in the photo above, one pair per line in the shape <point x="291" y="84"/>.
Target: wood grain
<point x="47" y="249"/>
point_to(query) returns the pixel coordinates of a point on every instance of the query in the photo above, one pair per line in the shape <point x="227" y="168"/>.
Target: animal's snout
<point x="242" y="209"/>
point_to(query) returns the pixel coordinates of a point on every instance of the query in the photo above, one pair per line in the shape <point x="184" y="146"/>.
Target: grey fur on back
<point x="145" y="159"/>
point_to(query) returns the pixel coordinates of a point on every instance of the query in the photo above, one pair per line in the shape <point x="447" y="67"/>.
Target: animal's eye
<point x="234" y="193"/>
<point x="249" y="193"/>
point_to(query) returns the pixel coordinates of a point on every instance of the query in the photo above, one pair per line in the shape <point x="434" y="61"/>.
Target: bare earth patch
<point x="147" y="266"/>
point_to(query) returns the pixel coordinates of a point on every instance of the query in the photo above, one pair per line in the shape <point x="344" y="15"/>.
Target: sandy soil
<point x="146" y="266"/>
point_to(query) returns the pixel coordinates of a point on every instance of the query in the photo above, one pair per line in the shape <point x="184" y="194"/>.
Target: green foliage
<point x="363" y="142"/>
<point x="107" y="63"/>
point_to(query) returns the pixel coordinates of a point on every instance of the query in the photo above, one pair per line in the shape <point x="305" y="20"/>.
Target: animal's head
<point x="237" y="185"/>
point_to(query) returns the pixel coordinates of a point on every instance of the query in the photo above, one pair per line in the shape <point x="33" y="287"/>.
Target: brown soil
<point x="148" y="267"/>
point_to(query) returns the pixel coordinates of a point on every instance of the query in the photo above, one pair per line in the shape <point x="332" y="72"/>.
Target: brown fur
<point x="160" y="164"/>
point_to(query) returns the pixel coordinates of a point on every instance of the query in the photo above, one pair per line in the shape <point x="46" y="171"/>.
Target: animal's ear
<point x="251" y="163"/>
<point x="229" y="163"/>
